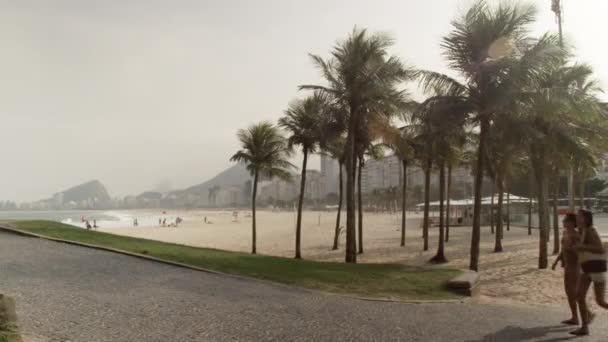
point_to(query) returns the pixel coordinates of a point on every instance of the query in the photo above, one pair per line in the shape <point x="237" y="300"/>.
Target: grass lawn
<point x="369" y="280"/>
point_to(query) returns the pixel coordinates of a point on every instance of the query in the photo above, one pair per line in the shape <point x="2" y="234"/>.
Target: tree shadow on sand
<point x="511" y="333"/>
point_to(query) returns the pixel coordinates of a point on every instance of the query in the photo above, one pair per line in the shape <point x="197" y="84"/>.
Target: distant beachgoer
<point x="569" y="260"/>
<point x="88" y="224"/>
<point x="592" y="257"/>
<point x="160" y="221"/>
<point x="205" y="219"/>
<point x="164" y="222"/>
<point x="94" y="223"/>
<point x="135" y="222"/>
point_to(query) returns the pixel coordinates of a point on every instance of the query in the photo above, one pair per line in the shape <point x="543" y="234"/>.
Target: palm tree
<point x="301" y="121"/>
<point x="444" y="119"/>
<point x="503" y="149"/>
<point x="485" y="48"/>
<point x="362" y="79"/>
<point x="264" y="151"/>
<point x="335" y="149"/>
<point x="401" y="141"/>
<point x="562" y="120"/>
<point x="374" y="128"/>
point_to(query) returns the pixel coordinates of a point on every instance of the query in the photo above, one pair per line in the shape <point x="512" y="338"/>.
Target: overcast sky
<point x="134" y="92"/>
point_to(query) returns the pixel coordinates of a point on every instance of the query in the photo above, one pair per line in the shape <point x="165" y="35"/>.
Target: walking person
<point x="569" y="261"/>
<point x="592" y="257"/>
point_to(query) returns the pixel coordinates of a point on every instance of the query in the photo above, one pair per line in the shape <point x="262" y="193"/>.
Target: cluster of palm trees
<point x="519" y="101"/>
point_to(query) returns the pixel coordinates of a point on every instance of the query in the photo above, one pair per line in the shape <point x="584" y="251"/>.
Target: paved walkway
<point x="69" y="293"/>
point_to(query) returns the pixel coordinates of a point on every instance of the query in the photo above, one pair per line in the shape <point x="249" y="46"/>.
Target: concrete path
<point x="69" y="293"/>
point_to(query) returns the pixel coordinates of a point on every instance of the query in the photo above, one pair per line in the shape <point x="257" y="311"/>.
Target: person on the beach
<point x="88" y="224"/>
<point x="592" y="257"/>
<point x="94" y="223"/>
<point x="569" y="260"/>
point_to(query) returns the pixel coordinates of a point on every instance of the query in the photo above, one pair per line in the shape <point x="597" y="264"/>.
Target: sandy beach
<point x="510" y="277"/>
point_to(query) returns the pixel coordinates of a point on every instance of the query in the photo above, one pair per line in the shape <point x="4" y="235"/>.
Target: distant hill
<point x="89" y="191"/>
<point x="235" y="176"/>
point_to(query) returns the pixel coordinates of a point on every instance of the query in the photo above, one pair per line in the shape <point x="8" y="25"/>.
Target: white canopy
<point x="468" y="202"/>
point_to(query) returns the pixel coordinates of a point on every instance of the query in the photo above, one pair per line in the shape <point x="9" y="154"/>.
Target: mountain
<point x="229" y="187"/>
<point x="92" y="191"/>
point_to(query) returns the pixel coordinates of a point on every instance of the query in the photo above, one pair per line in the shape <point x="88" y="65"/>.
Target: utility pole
<point x="556" y="7"/>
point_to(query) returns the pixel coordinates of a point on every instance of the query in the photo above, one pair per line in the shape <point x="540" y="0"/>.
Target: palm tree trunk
<point x="530" y="194"/>
<point x="530" y="216"/>
<point x="499" y="225"/>
<point x="449" y="192"/>
<point x="360" y="200"/>
<point x="542" y="191"/>
<point x="340" y="191"/>
<point x="351" y="234"/>
<point x="492" y="207"/>
<point x="555" y="215"/>
<point x="476" y="234"/>
<point x="582" y="193"/>
<point x="508" y="209"/>
<point x="427" y="201"/>
<point x="253" y="230"/>
<point x="440" y="256"/>
<point x="300" y="203"/>
<point x="403" y="202"/>
<point x="571" y="191"/>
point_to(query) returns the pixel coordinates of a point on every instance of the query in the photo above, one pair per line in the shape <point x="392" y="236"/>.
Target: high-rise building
<point x="330" y="169"/>
<point x="57" y="201"/>
<point x="380" y="174"/>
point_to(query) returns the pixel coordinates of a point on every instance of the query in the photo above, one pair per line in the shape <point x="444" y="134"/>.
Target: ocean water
<point x="73" y="217"/>
<point x="105" y="219"/>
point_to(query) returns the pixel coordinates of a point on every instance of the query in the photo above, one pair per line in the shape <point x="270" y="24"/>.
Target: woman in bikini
<point x="592" y="257"/>
<point x="569" y="260"/>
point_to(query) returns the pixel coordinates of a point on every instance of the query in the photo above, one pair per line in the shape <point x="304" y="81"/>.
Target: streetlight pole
<point x="556" y="7"/>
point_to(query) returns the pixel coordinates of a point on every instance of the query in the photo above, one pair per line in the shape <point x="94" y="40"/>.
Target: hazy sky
<point x="133" y="92"/>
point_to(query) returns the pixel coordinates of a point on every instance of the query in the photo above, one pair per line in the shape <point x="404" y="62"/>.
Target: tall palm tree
<point x="502" y="151"/>
<point x="335" y="150"/>
<point x="374" y="129"/>
<point x="265" y="154"/>
<point x="443" y="118"/>
<point x="301" y="121"/>
<point x="562" y="120"/>
<point x="401" y="141"/>
<point x="363" y="79"/>
<point x="490" y="48"/>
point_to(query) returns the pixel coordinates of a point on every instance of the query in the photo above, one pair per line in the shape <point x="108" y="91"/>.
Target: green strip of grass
<point x="370" y="280"/>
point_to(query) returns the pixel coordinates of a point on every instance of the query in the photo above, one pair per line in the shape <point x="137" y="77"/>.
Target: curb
<point x="234" y="276"/>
